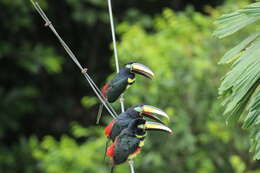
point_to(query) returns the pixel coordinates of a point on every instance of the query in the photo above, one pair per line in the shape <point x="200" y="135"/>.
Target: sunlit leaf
<point x="240" y="86"/>
<point x="233" y="22"/>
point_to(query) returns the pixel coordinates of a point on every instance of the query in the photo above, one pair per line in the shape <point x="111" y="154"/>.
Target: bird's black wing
<point x="125" y="145"/>
<point x="118" y="127"/>
<point x="116" y="88"/>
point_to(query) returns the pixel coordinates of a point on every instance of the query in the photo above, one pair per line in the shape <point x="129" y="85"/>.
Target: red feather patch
<point x="104" y="89"/>
<point x="137" y="151"/>
<point x="109" y="128"/>
<point x="111" y="150"/>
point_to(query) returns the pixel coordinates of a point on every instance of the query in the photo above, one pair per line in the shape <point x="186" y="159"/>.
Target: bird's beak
<point x="149" y="125"/>
<point x="152" y="112"/>
<point x="142" y="69"/>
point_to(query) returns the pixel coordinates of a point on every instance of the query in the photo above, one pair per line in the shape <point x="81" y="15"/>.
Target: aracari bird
<point x="128" y="144"/>
<point x="123" y="80"/>
<point x="135" y="112"/>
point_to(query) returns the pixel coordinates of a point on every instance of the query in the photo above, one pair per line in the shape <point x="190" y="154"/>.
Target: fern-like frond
<point x="233" y="22"/>
<point x="253" y="121"/>
<point x="240" y="87"/>
<point x="235" y="52"/>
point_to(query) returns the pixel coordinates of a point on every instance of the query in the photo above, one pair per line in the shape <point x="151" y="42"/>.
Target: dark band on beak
<point x="156" y="126"/>
<point x="152" y="112"/>
<point x="143" y="70"/>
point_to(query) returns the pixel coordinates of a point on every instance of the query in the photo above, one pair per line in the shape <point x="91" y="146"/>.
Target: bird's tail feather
<point x="100" y="110"/>
<point x="106" y="148"/>
<point x="112" y="169"/>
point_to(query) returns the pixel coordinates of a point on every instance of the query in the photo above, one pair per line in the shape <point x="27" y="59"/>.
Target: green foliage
<point x="19" y="155"/>
<point x="185" y="85"/>
<point x="90" y="15"/>
<point x="67" y="155"/>
<point x="20" y="99"/>
<point x="240" y="86"/>
<point x="88" y="102"/>
<point x="42" y="58"/>
<point x="238" y="164"/>
<point x="42" y="92"/>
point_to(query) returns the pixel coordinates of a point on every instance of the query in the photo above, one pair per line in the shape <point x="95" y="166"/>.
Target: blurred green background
<point x="48" y="110"/>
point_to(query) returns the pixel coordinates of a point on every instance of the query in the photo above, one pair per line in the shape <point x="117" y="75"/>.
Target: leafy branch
<point x="240" y="87"/>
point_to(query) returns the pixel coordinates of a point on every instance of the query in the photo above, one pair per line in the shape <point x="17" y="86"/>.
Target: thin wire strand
<point x="48" y="23"/>
<point x="100" y="95"/>
<point x="121" y="100"/>
<point x="73" y="57"/>
<point x="131" y="165"/>
<point x="131" y="162"/>
<point x="63" y="43"/>
<point x="122" y="103"/>
<point x="113" y="34"/>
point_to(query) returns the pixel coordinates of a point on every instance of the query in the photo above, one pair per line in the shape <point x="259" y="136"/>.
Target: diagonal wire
<point x="99" y="93"/>
<point x="73" y="57"/>
<point x="84" y="71"/>
<point x="100" y="96"/>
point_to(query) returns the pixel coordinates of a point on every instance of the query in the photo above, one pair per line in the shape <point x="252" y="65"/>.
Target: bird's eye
<point x="138" y="109"/>
<point x="128" y="66"/>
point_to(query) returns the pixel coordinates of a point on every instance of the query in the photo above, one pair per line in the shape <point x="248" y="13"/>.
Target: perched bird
<point x="123" y="80"/>
<point x="128" y="144"/>
<point x="135" y="112"/>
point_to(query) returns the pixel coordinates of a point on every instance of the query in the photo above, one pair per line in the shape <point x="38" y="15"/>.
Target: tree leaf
<point x="240" y="86"/>
<point x="234" y="52"/>
<point x="233" y="22"/>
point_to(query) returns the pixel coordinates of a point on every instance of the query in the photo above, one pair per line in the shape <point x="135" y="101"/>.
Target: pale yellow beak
<point x="152" y="112"/>
<point x="142" y="69"/>
<point x="149" y="125"/>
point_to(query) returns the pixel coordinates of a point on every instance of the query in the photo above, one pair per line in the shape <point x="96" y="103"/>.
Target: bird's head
<point x="138" y="68"/>
<point x="148" y="111"/>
